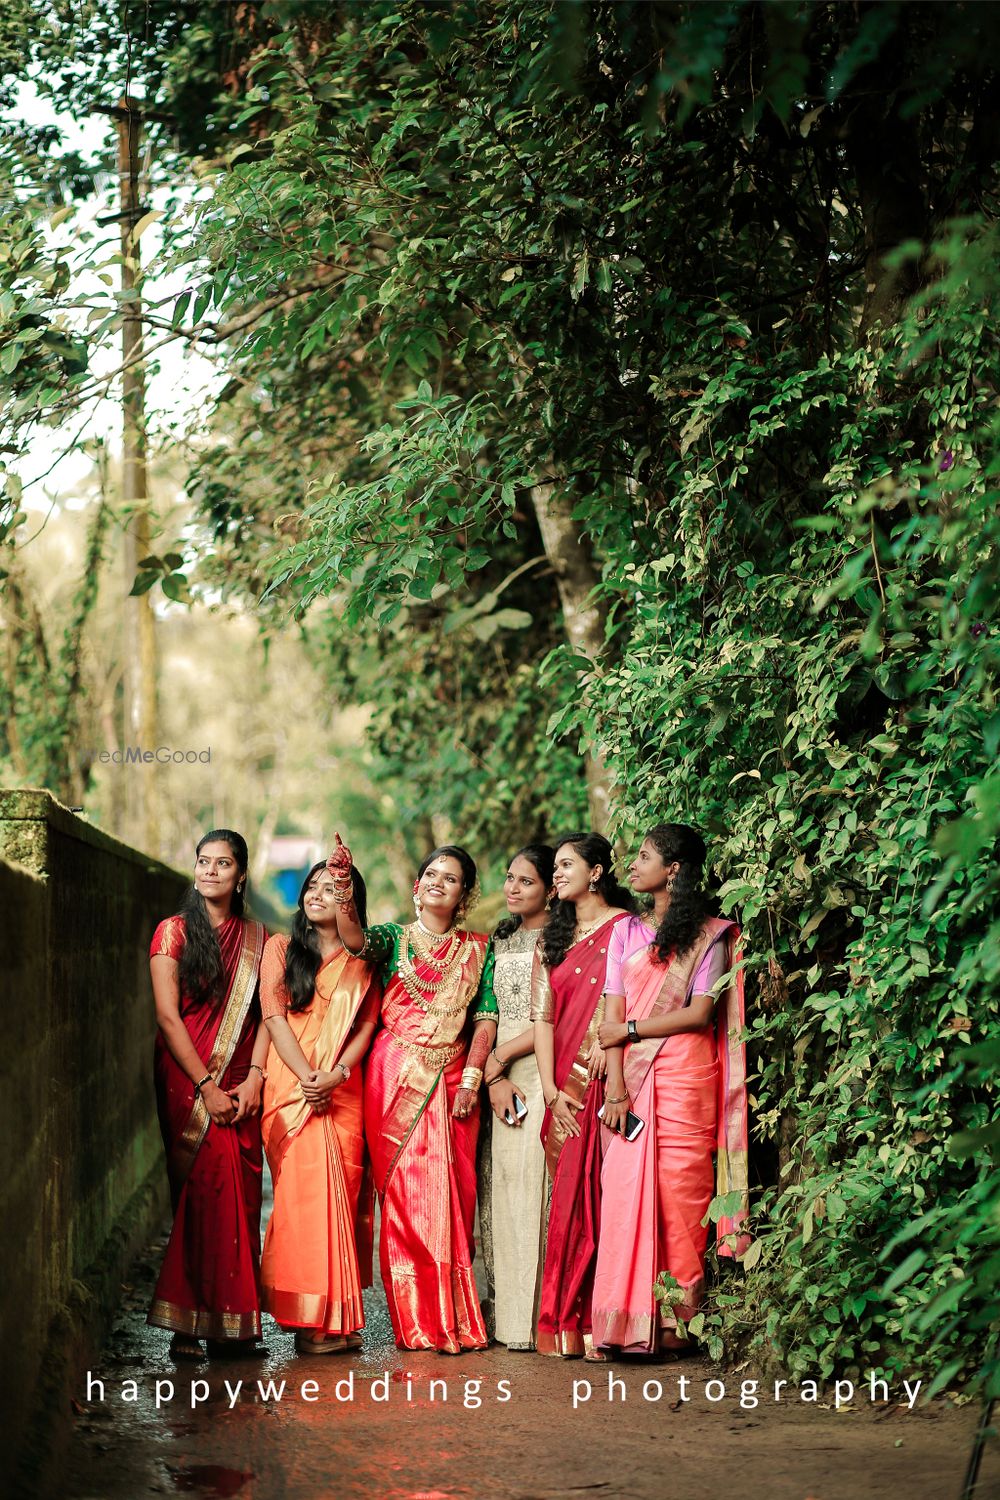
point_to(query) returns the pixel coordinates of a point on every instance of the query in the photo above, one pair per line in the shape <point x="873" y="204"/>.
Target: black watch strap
<point x="633" y="1034"/>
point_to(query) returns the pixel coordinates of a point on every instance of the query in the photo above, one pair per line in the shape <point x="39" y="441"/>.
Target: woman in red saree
<point x="566" y="1008"/>
<point x="422" y="1098"/>
<point x="675" y="1058"/>
<point x="209" y="1067"/>
<point x="320" y="1006"/>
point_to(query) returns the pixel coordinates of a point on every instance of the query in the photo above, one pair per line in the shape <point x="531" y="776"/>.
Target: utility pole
<point x="140" y="716"/>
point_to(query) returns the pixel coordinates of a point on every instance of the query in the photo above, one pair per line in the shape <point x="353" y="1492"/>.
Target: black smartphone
<point x="520" y="1110"/>
<point x="633" y="1125"/>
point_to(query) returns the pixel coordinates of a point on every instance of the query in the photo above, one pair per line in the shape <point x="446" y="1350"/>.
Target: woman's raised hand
<point x="340" y="861"/>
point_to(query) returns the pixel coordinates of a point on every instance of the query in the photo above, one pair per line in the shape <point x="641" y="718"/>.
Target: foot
<point x="307" y="1343"/>
<point x="185" y="1346"/>
<point x="235" y="1349"/>
<point x="595" y="1357"/>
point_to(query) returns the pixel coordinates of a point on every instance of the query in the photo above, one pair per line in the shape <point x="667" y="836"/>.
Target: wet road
<point x="391" y="1425"/>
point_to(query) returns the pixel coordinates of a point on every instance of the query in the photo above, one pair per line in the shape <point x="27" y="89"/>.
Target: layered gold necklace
<point x="436" y="994"/>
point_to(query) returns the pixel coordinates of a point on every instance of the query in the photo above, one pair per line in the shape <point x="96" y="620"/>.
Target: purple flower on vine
<point x="947" y="461"/>
<point x="977" y="628"/>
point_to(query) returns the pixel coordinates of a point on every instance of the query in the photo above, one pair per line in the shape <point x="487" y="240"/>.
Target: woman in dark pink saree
<point x="672" y="1033"/>
<point x="566" y="1008"/>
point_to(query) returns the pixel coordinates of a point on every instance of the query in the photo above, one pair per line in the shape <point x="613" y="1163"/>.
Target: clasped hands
<point x="317" y="1087"/>
<point x="229" y="1106"/>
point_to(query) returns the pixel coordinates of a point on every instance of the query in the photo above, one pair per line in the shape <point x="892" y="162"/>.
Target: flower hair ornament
<point x="468" y="903"/>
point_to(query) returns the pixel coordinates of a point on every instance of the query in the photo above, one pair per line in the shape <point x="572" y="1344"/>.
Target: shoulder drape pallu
<point x="208" y="1284"/>
<point x="570" y="996"/>
<point x="318" y="1248"/>
<point x="423" y="1160"/>
<point x="690" y="1088"/>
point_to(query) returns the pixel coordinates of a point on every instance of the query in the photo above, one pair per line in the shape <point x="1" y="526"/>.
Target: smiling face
<point x="524" y="888"/>
<point x="573" y="874"/>
<point x="320" y="902"/>
<point x="217" y="873"/>
<point x="648" y="872"/>
<point x="441" y="886"/>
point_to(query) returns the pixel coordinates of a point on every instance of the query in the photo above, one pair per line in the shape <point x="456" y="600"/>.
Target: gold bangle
<point x="549" y="1102"/>
<point x="622" y="1100"/>
<point x="472" y="1078"/>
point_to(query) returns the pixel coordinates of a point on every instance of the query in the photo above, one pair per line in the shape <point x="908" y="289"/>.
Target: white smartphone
<point x="633" y="1125"/>
<point x="520" y="1110"/>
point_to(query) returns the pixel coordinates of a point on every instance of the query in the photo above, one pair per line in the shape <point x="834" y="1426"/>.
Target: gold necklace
<point x="423" y="944"/>
<point x="579" y="933"/>
<point x="422" y="991"/>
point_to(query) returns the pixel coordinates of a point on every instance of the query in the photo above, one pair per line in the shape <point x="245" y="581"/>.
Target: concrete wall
<point x="83" y="1171"/>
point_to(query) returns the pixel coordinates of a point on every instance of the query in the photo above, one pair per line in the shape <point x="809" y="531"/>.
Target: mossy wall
<point x="84" y="1172"/>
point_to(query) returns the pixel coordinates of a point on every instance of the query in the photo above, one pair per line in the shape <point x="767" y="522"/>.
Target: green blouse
<point x="382" y="948"/>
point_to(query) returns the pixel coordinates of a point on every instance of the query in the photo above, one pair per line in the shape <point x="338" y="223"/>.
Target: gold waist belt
<point x="435" y="1057"/>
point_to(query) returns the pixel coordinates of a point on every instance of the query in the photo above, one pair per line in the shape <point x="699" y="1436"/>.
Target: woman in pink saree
<point x="422" y="1097"/>
<point x="671" y="1032"/>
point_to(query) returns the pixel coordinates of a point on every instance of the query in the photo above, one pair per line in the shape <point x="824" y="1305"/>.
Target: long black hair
<point x="690" y="904"/>
<point x="543" y="859"/>
<point x="557" y="934"/>
<point x="302" y="959"/>
<point x="199" y="970"/>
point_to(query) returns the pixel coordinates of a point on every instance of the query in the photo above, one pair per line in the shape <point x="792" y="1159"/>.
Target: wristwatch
<point x="633" y="1032"/>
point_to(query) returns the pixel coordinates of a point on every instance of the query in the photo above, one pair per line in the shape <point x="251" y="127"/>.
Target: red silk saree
<point x="424" y="1160"/>
<point x="317" y="1250"/>
<point x="569" y="996"/>
<point x="208" y="1283"/>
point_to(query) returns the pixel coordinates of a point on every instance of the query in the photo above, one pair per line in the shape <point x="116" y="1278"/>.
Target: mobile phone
<point x="520" y="1110"/>
<point x="633" y="1125"/>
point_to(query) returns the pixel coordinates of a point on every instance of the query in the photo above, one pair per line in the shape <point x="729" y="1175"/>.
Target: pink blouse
<point x="628" y="937"/>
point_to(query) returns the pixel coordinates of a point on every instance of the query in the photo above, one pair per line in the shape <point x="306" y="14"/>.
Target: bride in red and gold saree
<point x="208" y="1069"/>
<point x="422" y="1098"/>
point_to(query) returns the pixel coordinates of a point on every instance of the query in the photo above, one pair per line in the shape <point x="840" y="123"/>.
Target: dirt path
<point x="500" y="1425"/>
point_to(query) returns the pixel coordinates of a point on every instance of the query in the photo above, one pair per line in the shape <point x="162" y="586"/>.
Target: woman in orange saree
<point x="421" y="1098"/>
<point x="320" y="1006"/>
<point x="675" y="1058"/>
<point x="208" y="1068"/>
<point x="566" y="1008"/>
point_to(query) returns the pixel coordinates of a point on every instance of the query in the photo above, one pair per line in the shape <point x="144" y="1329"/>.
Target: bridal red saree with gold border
<point x="423" y="1159"/>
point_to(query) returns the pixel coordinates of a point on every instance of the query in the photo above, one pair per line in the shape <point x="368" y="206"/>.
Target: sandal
<point x="323" y="1345"/>
<point x="186" y="1346"/>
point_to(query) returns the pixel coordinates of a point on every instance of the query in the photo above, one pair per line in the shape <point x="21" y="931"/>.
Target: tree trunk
<point x="584" y="616"/>
<point x="884" y="153"/>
